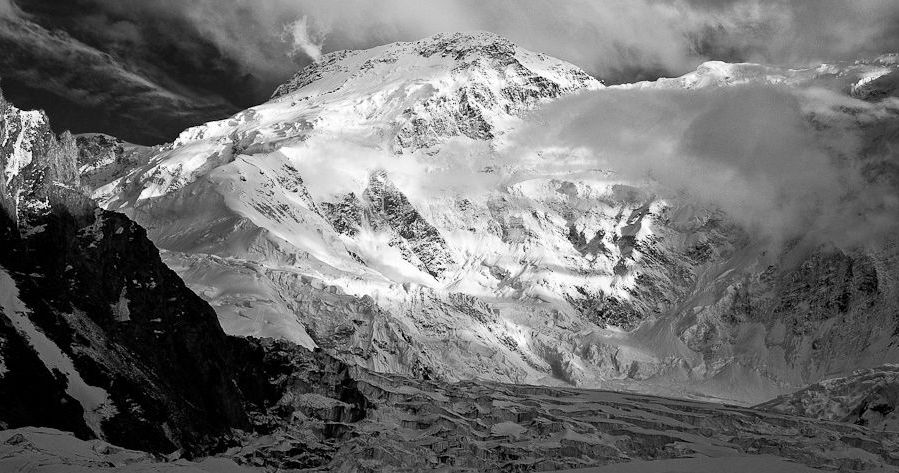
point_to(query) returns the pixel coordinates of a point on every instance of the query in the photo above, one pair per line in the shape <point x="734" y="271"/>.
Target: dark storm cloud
<point x="212" y="57"/>
<point x="607" y="37"/>
<point x="141" y="78"/>
<point x="798" y="31"/>
<point x="85" y="90"/>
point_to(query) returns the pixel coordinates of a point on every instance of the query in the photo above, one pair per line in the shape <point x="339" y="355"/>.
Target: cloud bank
<point x="611" y="38"/>
<point x="231" y="54"/>
<point x="750" y="150"/>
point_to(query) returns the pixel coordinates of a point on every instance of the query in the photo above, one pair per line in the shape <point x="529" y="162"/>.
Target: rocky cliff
<point x="97" y="335"/>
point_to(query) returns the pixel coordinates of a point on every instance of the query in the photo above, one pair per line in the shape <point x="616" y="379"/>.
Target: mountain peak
<point x="461" y="45"/>
<point x="465" y="43"/>
<point x="455" y="52"/>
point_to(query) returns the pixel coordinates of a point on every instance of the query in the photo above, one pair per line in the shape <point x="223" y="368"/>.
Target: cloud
<point x="749" y="150"/>
<point x="305" y="39"/>
<point x="799" y="31"/>
<point x="621" y="40"/>
<point x="785" y="164"/>
<point x="84" y="89"/>
<point x="611" y="38"/>
<point x="236" y="52"/>
<point x="7" y="9"/>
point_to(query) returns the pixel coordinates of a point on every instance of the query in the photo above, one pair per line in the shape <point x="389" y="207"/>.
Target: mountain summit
<point x="460" y="84"/>
<point x="250" y="189"/>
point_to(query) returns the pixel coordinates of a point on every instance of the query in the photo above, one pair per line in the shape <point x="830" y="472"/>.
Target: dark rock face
<point x="344" y="215"/>
<point x="95" y="287"/>
<point x="604" y="310"/>
<point x="45" y="403"/>
<point x="385" y="208"/>
<point x="417" y="238"/>
<point x="831" y="304"/>
<point x="309" y="397"/>
<point x="102" y="158"/>
<point x="95" y="149"/>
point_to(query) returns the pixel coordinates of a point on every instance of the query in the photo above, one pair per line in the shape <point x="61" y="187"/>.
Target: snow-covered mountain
<point x="377" y="207"/>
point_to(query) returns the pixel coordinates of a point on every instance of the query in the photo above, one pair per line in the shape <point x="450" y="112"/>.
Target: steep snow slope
<point x="377" y="208"/>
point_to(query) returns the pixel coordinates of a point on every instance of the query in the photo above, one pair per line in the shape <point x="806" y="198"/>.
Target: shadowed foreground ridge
<point x="151" y="353"/>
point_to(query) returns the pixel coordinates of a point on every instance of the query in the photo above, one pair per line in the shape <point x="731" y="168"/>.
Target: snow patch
<point x="22" y="142"/>
<point x="120" y="310"/>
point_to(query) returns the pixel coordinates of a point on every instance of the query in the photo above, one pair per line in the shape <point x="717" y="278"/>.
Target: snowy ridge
<point x="251" y="171"/>
<point x="868" y="79"/>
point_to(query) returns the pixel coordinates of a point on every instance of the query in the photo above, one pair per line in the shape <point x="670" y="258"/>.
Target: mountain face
<point x="97" y="335"/>
<point x="373" y="209"/>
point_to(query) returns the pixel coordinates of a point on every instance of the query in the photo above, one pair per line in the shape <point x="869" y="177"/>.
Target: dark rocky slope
<point x="94" y="286"/>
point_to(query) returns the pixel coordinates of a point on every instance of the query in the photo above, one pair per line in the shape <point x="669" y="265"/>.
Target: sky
<point x="144" y="70"/>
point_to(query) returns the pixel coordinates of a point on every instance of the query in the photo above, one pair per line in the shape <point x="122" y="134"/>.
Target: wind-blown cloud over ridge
<point x="750" y="150"/>
<point x="237" y="51"/>
<point x="606" y="37"/>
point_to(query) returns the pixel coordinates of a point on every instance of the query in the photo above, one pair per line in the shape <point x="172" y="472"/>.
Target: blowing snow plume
<point x="785" y="163"/>
<point x="305" y="39"/>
